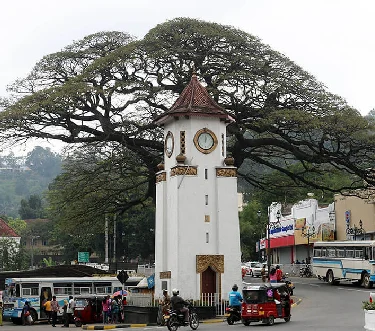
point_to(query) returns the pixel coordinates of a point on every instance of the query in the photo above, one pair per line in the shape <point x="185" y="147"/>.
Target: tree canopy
<point x="104" y="91"/>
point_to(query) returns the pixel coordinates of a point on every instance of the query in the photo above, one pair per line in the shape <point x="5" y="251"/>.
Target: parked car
<point x="257" y="269"/>
<point x="250" y="265"/>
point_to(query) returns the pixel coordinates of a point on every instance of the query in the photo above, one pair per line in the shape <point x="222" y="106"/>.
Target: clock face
<point x="205" y="141"/>
<point x="169" y="144"/>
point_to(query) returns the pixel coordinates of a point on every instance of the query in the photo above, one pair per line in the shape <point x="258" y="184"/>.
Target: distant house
<point x="41" y="247"/>
<point x="6" y="232"/>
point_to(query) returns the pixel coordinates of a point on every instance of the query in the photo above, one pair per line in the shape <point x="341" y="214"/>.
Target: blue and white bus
<point x="352" y="261"/>
<point x="38" y="290"/>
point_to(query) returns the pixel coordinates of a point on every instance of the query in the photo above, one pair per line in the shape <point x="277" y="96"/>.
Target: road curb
<point x="116" y="326"/>
<point x="296" y="303"/>
<point x="109" y="327"/>
<point x="216" y="320"/>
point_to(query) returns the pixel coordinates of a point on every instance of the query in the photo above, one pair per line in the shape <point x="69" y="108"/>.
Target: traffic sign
<point x="83" y="257"/>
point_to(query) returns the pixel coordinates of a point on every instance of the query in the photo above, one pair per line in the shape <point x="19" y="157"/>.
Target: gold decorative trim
<point x="180" y="158"/>
<point x="165" y="275"/>
<point x="184" y="170"/>
<point x="196" y="141"/>
<point x="161" y="177"/>
<point x="226" y="172"/>
<point x="216" y="262"/>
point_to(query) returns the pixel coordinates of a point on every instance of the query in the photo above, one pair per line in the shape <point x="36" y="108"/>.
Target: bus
<point x="351" y="261"/>
<point x="37" y="290"/>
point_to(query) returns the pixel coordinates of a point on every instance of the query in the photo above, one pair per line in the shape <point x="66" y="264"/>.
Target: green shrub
<point x="367" y="305"/>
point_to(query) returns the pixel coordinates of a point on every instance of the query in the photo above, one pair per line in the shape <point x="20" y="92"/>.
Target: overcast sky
<point x="332" y="39"/>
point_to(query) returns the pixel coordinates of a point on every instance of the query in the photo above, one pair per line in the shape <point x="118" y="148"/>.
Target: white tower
<point x="197" y="238"/>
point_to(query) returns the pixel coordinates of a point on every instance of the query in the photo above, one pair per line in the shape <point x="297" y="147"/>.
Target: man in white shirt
<point x="69" y="311"/>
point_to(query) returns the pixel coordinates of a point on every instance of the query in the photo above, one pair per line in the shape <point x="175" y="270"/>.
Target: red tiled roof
<point x="6" y="230"/>
<point x="195" y="101"/>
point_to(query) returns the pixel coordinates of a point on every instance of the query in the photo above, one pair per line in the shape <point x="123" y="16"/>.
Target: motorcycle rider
<point x="166" y="301"/>
<point x="235" y="298"/>
<point x="179" y="304"/>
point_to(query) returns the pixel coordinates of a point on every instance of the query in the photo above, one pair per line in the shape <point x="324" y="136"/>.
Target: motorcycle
<point x="233" y="315"/>
<point x="305" y="271"/>
<point x="175" y="319"/>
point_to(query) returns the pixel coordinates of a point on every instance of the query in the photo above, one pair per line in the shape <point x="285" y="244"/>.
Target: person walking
<point x="26" y="313"/>
<point x="279" y="274"/>
<point x="115" y="311"/>
<point x="65" y="315"/>
<point x="69" y="311"/>
<point x="105" y="309"/>
<point x="54" y="308"/>
<point x="48" y="309"/>
<point x="263" y="273"/>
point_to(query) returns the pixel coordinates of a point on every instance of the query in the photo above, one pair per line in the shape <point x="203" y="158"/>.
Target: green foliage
<point x="284" y="116"/>
<point x="48" y="262"/>
<point x="367" y="305"/>
<point x="18" y="225"/>
<point x="12" y="256"/>
<point x="20" y="183"/>
<point x="252" y="228"/>
<point x="44" y="162"/>
<point x="32" y="208"/>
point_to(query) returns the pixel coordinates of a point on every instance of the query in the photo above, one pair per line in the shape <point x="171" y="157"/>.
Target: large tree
<point x="106" y="89"/>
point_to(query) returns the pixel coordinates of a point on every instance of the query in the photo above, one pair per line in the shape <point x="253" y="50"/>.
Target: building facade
<point x="292" y="235"/>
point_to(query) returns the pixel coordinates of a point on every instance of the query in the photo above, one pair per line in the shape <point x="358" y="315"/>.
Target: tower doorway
<point x="208" y="281"/>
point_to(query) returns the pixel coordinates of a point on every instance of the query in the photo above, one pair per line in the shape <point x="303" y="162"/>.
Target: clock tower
<point x="197" y="237"/>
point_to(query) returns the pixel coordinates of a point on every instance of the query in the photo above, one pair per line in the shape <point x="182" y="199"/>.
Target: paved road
<point x="323" y="307"/>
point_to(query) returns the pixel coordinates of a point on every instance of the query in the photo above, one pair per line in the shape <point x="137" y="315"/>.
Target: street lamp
<point x="354" y="231"/>
<point x="308" y="234"/>
<point x="259" y="213"/>
<point x="271" y="225"/>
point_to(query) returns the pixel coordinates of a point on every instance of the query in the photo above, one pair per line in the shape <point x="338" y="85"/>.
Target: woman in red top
<point x="279" y="274"/>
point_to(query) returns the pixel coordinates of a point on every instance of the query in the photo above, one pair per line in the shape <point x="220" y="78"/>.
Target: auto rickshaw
<point x="88" y="309"/>
<point x="265" y="302"/>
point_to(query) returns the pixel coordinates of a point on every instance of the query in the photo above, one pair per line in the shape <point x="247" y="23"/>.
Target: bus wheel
<point x="330" y="278"/>
<point x="366" y="281"/>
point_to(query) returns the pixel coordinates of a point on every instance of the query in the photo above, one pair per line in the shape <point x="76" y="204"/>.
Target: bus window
<point x="62" y="289"/>
<point x="82" y="288"/>
<point x="358" y="253"/>
<point x="30" y="289"/>
<point x="317" y="252"/>
<point x="341" y="252"/>
<point x="103" y="288"/>
<point x="331" y="252"/>
<point x="349" y="252"/>
<point x="324" y="252"/>
<point x="367" y="253"/>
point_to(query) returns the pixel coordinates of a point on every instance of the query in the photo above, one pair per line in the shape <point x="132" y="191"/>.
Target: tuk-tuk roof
<point x="262" y="286"/>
